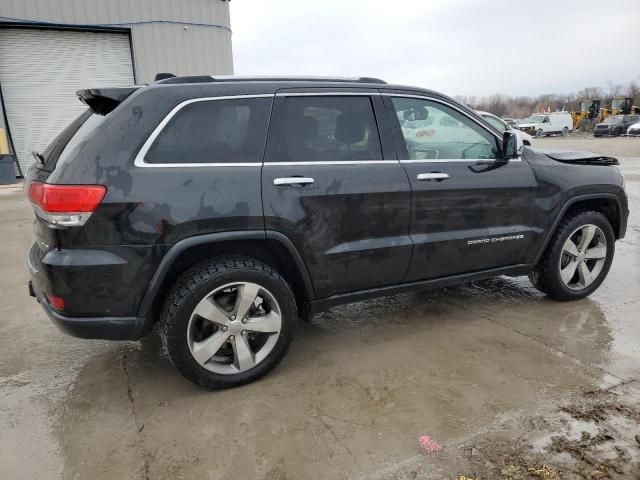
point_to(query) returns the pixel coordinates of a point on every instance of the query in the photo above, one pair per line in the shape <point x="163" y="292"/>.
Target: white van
<point x="541" y="124"/>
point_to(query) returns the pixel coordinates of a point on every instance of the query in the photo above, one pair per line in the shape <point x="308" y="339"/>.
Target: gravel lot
<point x="508" y="384"/>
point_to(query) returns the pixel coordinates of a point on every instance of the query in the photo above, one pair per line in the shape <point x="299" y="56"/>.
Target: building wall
<point x="184" y="37"/>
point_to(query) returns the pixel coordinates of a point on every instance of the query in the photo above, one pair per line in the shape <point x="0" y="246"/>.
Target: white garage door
<point x="40" y="71"/>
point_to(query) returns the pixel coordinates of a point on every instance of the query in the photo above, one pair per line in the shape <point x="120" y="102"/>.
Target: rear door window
<point x="329" y="128"/>
<point x="214" y="131"/>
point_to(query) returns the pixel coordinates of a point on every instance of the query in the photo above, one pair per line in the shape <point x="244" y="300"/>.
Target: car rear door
<point x="332" y="184"/>
<point x="471" y="210"/>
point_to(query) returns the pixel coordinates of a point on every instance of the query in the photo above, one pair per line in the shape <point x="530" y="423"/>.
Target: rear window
<point x="52" y="153"/>
<point x="84" y="133"/>
<point x="214" y="131"/>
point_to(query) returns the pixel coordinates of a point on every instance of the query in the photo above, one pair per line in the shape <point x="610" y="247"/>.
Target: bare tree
<point x="521" y="107"/>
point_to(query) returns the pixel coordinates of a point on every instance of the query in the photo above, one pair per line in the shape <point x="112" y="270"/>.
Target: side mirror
<point x="512" y="145"/>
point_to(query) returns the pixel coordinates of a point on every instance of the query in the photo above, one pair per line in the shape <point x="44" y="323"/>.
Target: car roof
<point x="267" y="78"/>
<point x="271" y="84"/>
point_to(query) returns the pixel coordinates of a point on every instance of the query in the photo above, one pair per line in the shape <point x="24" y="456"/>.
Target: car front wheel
<point x="539" y="134"/>
<point x="228" y="321"/>
<point x="578" y="257"/>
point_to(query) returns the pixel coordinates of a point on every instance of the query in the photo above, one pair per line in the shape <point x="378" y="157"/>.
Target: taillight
<point x="65" y="205"/>
<point x="56" y="302"/>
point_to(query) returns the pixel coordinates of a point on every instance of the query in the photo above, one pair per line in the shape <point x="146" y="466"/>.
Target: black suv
<point x="615" y="125"/>
<point x="226" y="208"/>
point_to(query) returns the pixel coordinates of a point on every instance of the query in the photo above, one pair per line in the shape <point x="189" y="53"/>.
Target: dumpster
<point x="7" y="169"/>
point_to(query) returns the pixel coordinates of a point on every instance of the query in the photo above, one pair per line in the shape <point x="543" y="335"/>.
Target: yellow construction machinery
<point x="589" y="114"/>
<point x="624" y="106"/>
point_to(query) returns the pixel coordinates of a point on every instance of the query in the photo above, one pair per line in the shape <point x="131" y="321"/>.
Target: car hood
<point x="635" y="125"/>
<point x="521" y="134"/>
<point x="579" y="157"/>
<point x="608" y="124"/>
<point x="527" y="125"/>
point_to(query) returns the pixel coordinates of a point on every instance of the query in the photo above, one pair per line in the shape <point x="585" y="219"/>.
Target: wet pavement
<point x="483" y="369"/>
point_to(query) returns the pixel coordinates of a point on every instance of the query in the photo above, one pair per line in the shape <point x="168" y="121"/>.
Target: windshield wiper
<point x="38" y="156"/>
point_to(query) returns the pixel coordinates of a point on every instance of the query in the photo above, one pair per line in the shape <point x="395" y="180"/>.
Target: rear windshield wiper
<point x="38" y="156"/>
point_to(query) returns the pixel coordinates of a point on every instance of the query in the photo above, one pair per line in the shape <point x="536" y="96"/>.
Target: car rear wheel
<point x="578" y="257"/>
<point x="617" y="132"/>
<point x="228" y="321"/>
<point x="539" y="133"/>
<point x="565" y="131"/>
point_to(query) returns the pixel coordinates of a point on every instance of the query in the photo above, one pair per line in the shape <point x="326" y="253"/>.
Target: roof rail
<point x="233" y="78"/>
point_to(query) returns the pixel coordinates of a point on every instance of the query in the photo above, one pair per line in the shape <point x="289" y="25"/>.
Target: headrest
<point x="350" y="128"/>
<point x="303" y="128"/>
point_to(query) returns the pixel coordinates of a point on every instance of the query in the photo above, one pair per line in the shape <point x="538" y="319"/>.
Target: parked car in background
<point x="542" y="124"/>
<point x="503" y="126"/>
<point x="509" y="121"/>
<point x="634" y="130"/>
<point x="615" y="125"/>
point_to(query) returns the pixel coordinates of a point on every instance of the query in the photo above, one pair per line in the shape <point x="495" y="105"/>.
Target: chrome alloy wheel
<point x="234" y="328"/>
<point x="583" y="257"/>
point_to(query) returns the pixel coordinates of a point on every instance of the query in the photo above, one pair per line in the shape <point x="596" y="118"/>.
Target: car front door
<point x="331" y="182"/>
<point x="471" y="210"/>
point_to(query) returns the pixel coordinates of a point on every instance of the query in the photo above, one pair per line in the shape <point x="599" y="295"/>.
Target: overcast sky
<point x="454" y="46"/>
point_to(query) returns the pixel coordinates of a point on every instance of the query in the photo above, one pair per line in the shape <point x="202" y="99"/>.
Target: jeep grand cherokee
<point x="223" y="209"/>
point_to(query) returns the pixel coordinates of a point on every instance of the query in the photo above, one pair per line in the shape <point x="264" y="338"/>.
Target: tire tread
<point x="182" y="290"/>
<point x="546" y="277"/>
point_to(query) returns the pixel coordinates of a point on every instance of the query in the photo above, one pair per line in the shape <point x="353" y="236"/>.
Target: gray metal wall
<point x="178" y="36"/>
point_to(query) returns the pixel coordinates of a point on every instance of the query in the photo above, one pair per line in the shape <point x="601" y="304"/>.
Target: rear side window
<point x="329" y="129"/>
<point x="214" y="131"/>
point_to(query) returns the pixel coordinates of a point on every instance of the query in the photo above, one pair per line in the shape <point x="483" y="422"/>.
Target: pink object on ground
<point x="428" y="445"/>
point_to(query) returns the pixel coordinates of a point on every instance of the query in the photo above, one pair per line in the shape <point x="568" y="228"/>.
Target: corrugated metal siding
<point x="40" y="71"/>
<point x="157" y="46"/>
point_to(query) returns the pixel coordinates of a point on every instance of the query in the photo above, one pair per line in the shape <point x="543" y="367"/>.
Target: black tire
<point x="546" y="276"/>
<point x="195" y="284"/>
<point x="617" y="132"/>
<point x="565" y="131"/>
<point x="539" y="133"/>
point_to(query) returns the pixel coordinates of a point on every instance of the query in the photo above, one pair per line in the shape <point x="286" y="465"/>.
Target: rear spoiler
<point x="105" y="100"/>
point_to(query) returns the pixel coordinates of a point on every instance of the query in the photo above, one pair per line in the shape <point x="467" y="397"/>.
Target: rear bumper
<point x="108" y="328"/>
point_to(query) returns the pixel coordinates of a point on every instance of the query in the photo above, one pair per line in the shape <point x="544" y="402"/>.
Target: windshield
<point x="617" y="103"/>
<point x="496" y="122"/>
<point x="534" y="119"/>
<point x="584" y="106"/>
<point x="613" y="119"/>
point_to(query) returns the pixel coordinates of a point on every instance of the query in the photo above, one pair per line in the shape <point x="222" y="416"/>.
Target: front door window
<point x="435" y="131"/>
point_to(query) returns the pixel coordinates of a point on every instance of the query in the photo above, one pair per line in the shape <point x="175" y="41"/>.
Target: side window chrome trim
<point x="442" y="102"/>
<point x="327" y="94"/>
<point x="470" y="160"/>
<point x="330" y="162"/>
<point x="140" y="161"/>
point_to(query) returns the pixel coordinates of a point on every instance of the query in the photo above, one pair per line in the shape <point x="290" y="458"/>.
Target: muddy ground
<point x="507" y="383"/>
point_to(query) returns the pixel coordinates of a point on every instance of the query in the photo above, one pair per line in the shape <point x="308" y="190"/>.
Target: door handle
<point x="280" y="182"/>
<point x="429" y="177"/>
